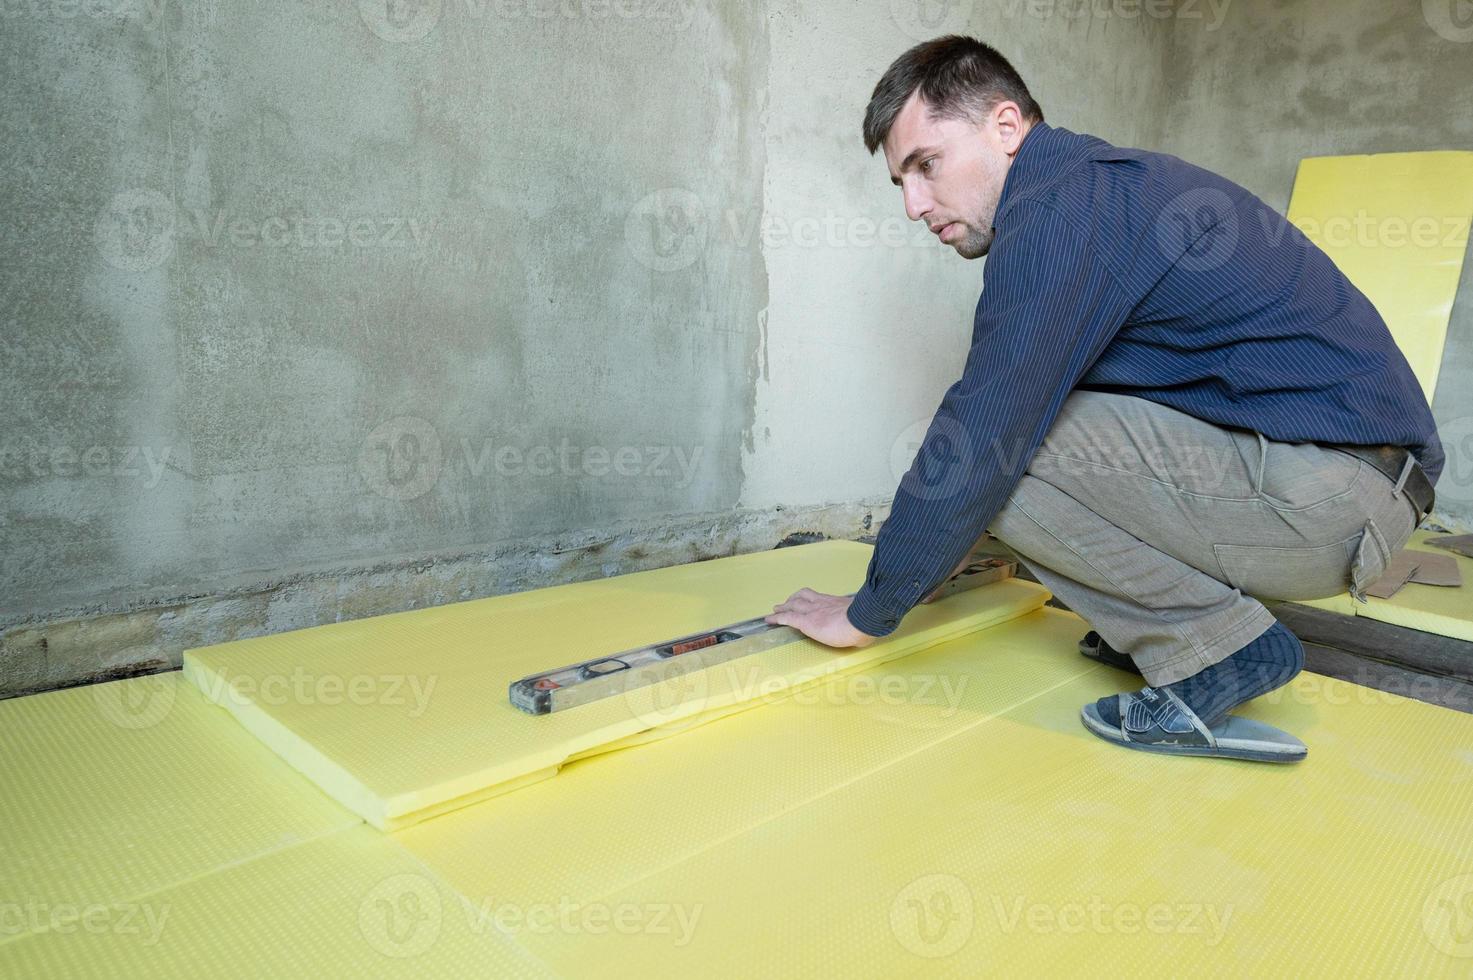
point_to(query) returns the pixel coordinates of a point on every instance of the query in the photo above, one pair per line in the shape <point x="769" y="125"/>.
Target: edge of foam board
<point x="785" y="669"/>
<point x="1412" y="288"/>
<point x="1000" y="602"/>
<point x="329" y="776"/>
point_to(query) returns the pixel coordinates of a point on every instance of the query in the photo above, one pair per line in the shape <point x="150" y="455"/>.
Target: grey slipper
<point x="1156" y="720"/>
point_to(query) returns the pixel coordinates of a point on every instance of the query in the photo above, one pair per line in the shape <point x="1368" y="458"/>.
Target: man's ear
<point x="1008" y="123"/>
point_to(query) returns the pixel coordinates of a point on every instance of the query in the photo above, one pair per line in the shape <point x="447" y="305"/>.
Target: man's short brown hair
<point x="958" y="77"/>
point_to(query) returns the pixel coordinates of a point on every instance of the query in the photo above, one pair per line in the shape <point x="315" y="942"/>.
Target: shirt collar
<point x="1022" y="171"/>
<point x="1043" y="156"/>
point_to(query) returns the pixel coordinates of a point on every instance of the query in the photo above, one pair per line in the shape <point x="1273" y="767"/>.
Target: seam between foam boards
<point x="136" y="897"/>
<point x="769" y="818"/>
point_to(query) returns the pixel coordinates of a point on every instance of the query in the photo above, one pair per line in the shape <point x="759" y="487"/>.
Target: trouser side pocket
<point x="1371" y="556"/>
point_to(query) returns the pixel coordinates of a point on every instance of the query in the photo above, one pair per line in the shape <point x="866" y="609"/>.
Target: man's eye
<point x="926" y="164"/>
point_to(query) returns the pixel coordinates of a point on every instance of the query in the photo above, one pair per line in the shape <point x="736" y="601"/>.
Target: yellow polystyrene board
<point x="352" y="903"/>
<point x="742" y="772"/>
<point x="430" y="726"/>
<point x="1344" y="604"/>
<point x="990" y="855"/>
<point x="1430" y="608"/>
<point x="121" y="789"/>
<point x="1397" y="225"/>
<point x="839" y="826"/>
<point x="860" y="844"/>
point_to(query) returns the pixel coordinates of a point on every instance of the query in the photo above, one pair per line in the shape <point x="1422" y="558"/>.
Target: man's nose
<point x="917" y="202"/>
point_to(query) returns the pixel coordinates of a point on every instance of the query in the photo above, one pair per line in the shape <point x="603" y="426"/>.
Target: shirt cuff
<point x="869" y="615"/>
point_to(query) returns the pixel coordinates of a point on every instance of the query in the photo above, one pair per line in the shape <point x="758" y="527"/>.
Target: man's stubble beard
<point x="976" y="243"/>
<point x="978" y="240"/>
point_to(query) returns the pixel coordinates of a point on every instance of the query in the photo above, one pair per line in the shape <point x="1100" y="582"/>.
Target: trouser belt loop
<point x="1262" y="462"/>
<point x="1406" y="471"/>
<point x="1400" y="466"/>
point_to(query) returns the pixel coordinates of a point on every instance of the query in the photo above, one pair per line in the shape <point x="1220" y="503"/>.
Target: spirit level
<point x="602" y="677"/>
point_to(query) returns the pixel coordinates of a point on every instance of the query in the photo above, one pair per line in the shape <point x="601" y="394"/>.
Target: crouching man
<point x="1173" y="402"/>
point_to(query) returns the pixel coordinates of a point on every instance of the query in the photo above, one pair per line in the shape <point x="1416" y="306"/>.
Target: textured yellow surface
<point x="353" y="903"/>
<point x="430" y="727"/>
<point x="1397" y="225"/>
<point x="1429" y="608"/>
<point x="119" y="789"/>
<point x="843" y="832"/>
<point x="943" y="813"/>
<point x="144" y="833"/>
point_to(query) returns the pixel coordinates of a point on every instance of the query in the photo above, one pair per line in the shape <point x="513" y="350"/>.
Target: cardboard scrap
<point x="1437" y="570"/>
<point x="1418" y="567"/>
<point x="1458" y="544"/>
<point x="1398" y="572"/>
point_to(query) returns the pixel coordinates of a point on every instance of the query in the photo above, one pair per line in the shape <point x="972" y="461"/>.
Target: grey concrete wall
<point x="308" y="289"/>
<point x="1276" y="82"/>
<point x="317" y="311"/>
<point x="295" y="284"/>
<point x="321" y="311"/>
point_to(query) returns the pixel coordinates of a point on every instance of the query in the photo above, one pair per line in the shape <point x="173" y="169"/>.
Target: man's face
<point x="951" y="171"/>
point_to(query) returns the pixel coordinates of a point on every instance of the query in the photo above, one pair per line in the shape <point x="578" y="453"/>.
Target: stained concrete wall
<point x="317" y="311"/>
<point x="296" y="289"/>
<point x="306" y="284"/>
<point x="1277" y="82"/>
<point x="321" y="311"/>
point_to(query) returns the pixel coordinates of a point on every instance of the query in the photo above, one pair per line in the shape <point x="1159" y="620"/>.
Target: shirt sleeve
<point x="1049" y="307"/>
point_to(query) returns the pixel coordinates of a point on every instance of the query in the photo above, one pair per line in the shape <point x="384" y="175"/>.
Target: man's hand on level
<point x="820" y="617"/>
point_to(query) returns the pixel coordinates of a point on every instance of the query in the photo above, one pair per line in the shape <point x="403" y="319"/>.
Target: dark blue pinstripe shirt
<point x="1134" y="272"/>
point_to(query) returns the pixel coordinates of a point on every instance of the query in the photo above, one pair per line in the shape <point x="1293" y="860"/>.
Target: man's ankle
<point x="1266" y="664"/>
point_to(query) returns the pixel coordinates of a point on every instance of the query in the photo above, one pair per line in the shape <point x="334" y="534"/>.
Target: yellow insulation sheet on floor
<point x="143" y="833"/>
<point x="941" y="814"/>
<point x="965" y="823"/>
<point x="1443" y="610"/>
<point x="402" y="717"/>
<point x="1397" y="225"/>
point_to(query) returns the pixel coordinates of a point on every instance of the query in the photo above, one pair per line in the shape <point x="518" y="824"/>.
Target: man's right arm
<point x="1049" y="307"/>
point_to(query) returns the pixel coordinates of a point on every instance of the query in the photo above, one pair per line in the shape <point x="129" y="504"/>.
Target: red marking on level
<point x="545" y="684"/>
<point x="706" y="641"/>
